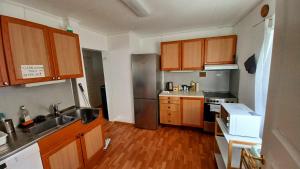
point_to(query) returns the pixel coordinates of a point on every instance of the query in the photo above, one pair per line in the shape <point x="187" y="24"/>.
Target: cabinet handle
<point x="58" y="77"/>
<point x="53" y="78"/>
<point x="168" y="101"/>
<point x="5" y="83"/>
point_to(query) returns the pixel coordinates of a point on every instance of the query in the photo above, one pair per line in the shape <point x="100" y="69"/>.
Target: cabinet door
<point x="171" y="55"/>
<point x="67" y="156"/>
<point x="27" y="50"/>
<point x="193" y="54"/>
<point x="220" y="50"/>
<point x="92" y="142"/>
<point x="66" y="51"/>
<point x="3" y="73"/>
<point x="192" y="112"/>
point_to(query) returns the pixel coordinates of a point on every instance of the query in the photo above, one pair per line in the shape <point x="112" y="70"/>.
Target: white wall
<point x="118" y="64"/>
<point x="249" y="42"/>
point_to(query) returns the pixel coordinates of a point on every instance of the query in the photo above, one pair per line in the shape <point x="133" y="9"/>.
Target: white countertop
<point x="182" y="94"/>
<point x="237" y="108"/>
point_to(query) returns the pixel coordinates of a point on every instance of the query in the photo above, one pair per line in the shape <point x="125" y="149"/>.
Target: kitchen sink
<point x="50" y="124"/>
<point x="87" y="115"/>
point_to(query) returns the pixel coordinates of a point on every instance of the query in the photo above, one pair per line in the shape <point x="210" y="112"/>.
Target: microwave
<point x="240" y="120"/>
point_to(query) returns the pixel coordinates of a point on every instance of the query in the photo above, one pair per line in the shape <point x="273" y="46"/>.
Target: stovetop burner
<point x="221" y="95"/>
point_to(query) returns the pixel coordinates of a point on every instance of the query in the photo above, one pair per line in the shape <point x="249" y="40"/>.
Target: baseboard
<point x="121" y="122"/>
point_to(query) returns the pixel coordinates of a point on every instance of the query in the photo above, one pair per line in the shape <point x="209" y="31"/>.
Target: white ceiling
<point x="113" y="17"/>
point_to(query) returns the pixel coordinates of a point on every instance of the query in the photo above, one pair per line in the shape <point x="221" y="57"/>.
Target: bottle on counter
<point x="25" y="119"/>
<point x="193" y="86"/>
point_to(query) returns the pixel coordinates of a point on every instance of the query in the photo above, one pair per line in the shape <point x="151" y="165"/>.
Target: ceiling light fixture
<point x="137" y="7"/>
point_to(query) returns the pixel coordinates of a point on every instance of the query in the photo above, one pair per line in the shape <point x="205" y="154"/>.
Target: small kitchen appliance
<point x="169" y="86"/>
<point x="240" y="120"/>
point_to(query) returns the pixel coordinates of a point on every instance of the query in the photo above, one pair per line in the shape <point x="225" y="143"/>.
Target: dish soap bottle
<point x="25" y="117"/>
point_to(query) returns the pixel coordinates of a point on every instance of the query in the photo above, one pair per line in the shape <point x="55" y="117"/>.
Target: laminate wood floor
<point x="165" y="148"/>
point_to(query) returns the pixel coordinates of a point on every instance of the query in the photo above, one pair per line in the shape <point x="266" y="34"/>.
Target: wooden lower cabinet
<point x="192" y="112"/>
<point x="93" y="143"/>
<point x="76" y="146"/>
<point x="182" y="111"/>
<point x="69" y="156"/>
<point x="170" y="110"/>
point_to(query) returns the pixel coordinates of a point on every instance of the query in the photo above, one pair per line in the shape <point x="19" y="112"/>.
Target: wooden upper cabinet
<point x="3" y="73"/>
<point x="27" y="49"/>
<point x="192" y="112"/>
<point x="171" y="55"/>
<point x="67" y="55"/>
<point x="192" y="54"/>
<point x="220" y="50"/>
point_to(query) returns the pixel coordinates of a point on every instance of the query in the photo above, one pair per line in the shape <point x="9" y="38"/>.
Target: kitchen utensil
<point x="7" y="126"/>
<point x="83" y="95"/>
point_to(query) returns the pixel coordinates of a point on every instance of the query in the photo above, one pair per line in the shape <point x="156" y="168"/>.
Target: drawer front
<point x="170" y="107"/>
<point x="170" y="117"/>
<point x="173" y="98"/>
<point x="169" y="101"/>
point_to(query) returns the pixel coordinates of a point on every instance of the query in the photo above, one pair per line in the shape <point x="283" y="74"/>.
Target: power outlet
<point x="202" y="74"/>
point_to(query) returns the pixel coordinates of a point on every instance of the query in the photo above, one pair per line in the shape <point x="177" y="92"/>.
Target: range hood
<point x="221" y="67"/>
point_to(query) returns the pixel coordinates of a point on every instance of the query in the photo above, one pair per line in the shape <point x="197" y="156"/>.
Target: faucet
<point x="54" y="109"/>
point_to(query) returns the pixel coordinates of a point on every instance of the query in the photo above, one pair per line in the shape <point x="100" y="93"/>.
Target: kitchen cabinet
<point x="92" y="144"/>
<point x="192" y="111"/>
<point x="3" y="73"/>
<point x="170" y="110"/>
<point x="26" y="44"/>
<point x="69" y="156"/>
<point x="73" y="147"/>
<point x="220" y="50"/>
<point x="171" y="55"/>
<point x="67" y="55"/>
<point x="193" y="54"/>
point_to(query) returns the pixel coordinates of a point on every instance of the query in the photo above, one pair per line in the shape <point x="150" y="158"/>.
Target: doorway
<point x="93" y="66"/>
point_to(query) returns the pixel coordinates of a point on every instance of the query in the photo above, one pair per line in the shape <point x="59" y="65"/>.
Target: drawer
<point x="170" y="117"/>
<point x="173" y="98"/>
<point x="169" y="101"/>
<point x="170" y="107"/>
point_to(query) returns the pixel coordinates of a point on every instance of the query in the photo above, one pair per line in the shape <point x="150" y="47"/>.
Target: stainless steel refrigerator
<point x="146" y="87"/>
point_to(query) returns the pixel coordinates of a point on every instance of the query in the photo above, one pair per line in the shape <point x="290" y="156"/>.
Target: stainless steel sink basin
<point x="50" y="124"/>
<point x="86" y="114"/>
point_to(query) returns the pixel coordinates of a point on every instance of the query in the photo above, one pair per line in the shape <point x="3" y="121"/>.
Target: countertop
<point x="182" y="94"/>
<point x="20" y="140"/>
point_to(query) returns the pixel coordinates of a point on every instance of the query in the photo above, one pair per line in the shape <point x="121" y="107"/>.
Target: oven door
<point x="210" y="113"/>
